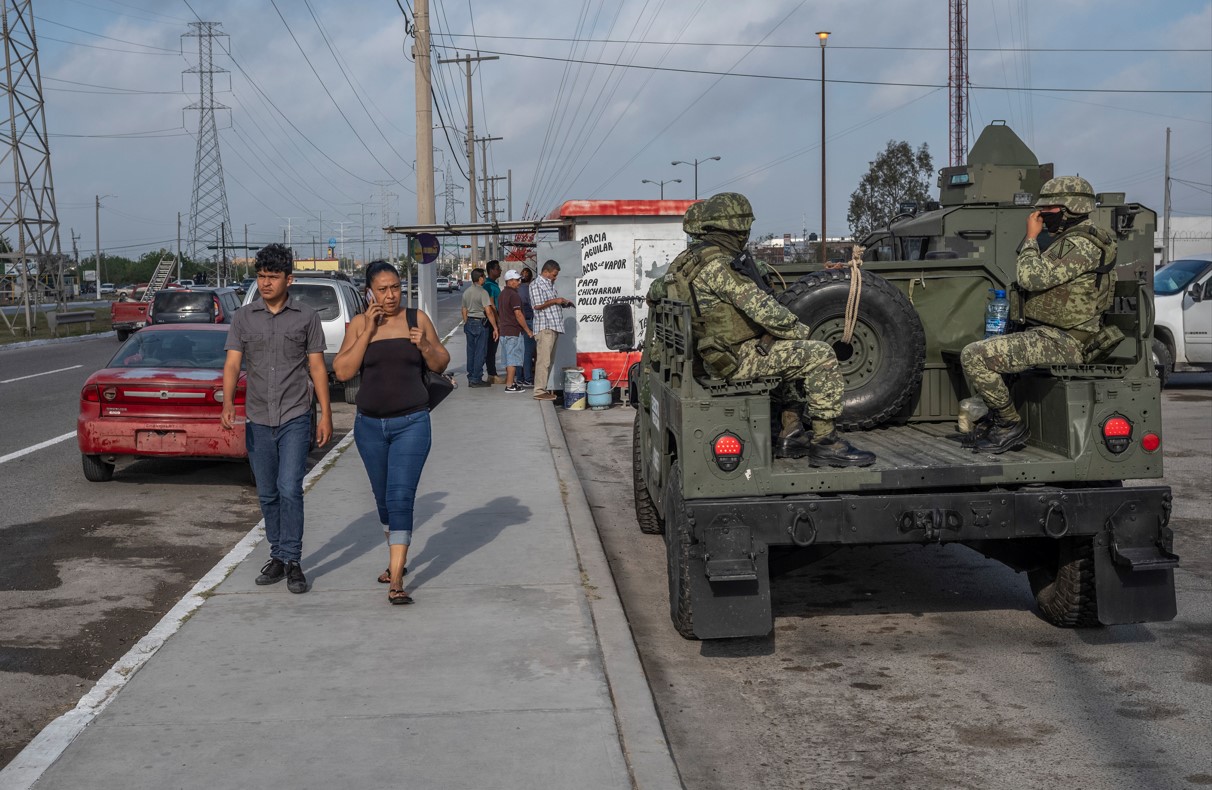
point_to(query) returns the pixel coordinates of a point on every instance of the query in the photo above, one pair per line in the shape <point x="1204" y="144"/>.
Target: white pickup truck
<point x="1182" y="330"/>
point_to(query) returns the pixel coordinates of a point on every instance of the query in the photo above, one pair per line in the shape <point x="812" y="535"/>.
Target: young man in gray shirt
<point x="283" y="342"/>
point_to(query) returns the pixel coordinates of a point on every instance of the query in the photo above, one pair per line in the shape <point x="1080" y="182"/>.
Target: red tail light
<point x="1117" y="433"/>
<point x="727" y="449"/>
<point x="91" y="393"/>
<point x="1150" y="442"/>
<point x="238" y="398"/>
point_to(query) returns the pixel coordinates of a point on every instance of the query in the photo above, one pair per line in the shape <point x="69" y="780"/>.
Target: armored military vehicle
<point x="1094" y="551"/>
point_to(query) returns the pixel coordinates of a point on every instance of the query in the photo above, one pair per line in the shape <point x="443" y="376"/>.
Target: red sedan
<point x="160" y="396"/>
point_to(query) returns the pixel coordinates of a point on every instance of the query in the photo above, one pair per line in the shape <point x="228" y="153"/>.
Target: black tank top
<point x="391" y="379"/>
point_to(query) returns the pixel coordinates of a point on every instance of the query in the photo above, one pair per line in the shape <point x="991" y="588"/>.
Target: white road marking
<point x="36" y="447"/>
<point x="36" y="375"/>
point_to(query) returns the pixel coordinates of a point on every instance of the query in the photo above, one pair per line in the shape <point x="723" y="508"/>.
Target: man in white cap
<point x="513" y="326"/>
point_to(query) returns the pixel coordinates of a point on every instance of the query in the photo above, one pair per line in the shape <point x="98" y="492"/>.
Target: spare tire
<point x="883" y="361"/>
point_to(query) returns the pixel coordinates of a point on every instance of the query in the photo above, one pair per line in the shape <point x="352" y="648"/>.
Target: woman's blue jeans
<point x="394" y="452"/>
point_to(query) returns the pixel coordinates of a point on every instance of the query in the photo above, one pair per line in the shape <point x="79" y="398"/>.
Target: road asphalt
<point x="515" y="668"/>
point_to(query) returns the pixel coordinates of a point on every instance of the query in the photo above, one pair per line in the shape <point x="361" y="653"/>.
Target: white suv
<point x="445" y="284"/>
<point x="337" y="302"/>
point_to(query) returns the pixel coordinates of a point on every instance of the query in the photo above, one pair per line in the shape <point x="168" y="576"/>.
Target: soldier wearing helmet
<point x="1065" y="288"/>
<point x="742" y="332"/>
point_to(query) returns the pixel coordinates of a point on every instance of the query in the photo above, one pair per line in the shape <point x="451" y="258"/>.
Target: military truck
<point x="1094" y="550"/>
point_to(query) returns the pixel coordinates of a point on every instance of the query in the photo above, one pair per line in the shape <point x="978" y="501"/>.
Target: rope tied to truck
<point x="856" y="291"/>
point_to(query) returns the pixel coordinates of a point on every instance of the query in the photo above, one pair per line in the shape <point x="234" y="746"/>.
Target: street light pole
<point x="662" y="184"/>
<point x="823" y="35"/>
<point x="696" y="164"/>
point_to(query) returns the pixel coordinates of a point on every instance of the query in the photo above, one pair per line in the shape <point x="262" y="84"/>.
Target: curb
<point x="641" y="735"/>
<point x="46" y="747"/>
<point x="51" y="341"/>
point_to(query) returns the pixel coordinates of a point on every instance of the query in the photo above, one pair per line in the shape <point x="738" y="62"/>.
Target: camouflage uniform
<point x="1066" y="289"/>
<point x="735" y="313"/>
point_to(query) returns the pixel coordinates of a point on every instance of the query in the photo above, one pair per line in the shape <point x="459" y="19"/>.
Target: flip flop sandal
<point x="385" y="576"/>
<point x="398" y="597"/>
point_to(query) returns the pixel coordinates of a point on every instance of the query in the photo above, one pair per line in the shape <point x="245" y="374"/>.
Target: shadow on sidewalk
<point x="364" y="534"/>
<point x="463" y="535"/>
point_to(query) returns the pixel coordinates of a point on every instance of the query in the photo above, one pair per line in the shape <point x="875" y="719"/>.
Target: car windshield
<point x="1176" y="276"/>
<point x="180" y="349"/>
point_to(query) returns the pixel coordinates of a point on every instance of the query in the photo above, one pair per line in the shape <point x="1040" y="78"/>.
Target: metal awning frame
<point x="486" y="228"/>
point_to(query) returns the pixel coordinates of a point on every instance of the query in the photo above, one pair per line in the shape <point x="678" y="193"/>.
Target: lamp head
<point x="823" y="35"/>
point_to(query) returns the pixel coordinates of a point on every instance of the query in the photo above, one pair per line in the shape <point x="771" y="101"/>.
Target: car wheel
<point x="646" y="513"/>
<point x="96" y="470"/>
<point x="1064" y="587"/>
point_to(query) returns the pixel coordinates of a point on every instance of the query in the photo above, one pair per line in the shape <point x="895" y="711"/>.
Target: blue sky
<point x="572" y="130"/>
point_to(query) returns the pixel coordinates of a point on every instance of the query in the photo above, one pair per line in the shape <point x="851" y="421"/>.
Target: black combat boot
<point x="795" y="444"/>
<point x="980" y="429"/>
<point x="832" y="450"/>
<point x="1005" y="434"/>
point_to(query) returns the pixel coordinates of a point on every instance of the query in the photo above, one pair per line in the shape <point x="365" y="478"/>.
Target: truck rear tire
<point x="645" y="509"/>
<point x="883" y="362"/>
<point x="677" y="554"/>
<point x="1064" y="586"/>
<point x="1163" y="360"/>
<point x="122" y="334"/>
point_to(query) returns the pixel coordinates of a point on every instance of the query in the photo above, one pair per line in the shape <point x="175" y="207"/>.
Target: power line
<point x="107" y="49"/>
<point x="814" y="46"/>
<point x="107" y="38"/>
<point x="789" y="78"/>
<point x="327" y="92"/>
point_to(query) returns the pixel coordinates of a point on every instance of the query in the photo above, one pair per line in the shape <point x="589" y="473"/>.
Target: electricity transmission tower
<point x="448" y="192"/>
<point x="208" y="216"/>
<point x="29" y="225"/>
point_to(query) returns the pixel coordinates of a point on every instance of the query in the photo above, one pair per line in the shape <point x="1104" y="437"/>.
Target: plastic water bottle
<point x="996" y="314"/>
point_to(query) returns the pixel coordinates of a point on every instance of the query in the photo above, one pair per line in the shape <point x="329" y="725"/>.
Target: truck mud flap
<point x="730" y="583"/>
<point x="1134" y="570"/>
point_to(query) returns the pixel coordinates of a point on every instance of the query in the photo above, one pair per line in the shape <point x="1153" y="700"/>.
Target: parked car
<point x="1182" y="328"/>
<point x="193" y="306"/>
<point x="337" y="302"/>
<point x="185" y="283"/>
<point x="159" y="397"/>
<point x="107" y="288"/>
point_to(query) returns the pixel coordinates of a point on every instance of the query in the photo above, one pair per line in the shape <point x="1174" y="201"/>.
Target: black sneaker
<point x="272" y="572"/>
<point x="478" y="384"/>
<point x="513" y="388"/>
<point x="296" y="582"/>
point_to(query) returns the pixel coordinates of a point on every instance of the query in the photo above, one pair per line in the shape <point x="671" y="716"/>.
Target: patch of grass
<point x="42" y="331"/>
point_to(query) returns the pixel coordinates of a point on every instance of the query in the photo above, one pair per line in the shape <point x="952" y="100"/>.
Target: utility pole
<point x="509" y="186"/>
<point x="488" y="215"/>
<point x="98" y="226"/>
<point x="823" y="36"/>
<point x="427" y="290"/>
<point x="467" y="60"/>
<point x="1166" y="235"/>
<point x="179" y="245"/>
<point x="246" y="255"/>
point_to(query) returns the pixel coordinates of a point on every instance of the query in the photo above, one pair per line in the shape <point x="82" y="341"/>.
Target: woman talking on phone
<point x="391" y="347"/>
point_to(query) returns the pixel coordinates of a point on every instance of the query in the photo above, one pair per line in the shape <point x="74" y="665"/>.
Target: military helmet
<point x="692" y="221"/>
<point x="728" y="211"/>
<point x="1072" y="192"/>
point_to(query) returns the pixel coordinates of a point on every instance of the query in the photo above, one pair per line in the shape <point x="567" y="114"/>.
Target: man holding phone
<point x="548" y="325"/>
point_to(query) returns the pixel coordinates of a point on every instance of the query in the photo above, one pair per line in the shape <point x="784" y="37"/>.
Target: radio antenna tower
<point x="208" y="216"/>
<point x="957" y="80"/>
<point x="29" y="225"/>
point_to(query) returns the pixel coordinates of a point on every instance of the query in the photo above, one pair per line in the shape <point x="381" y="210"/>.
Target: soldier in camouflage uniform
<point x="1065" y="289"/>
<point x="744" y="333"/>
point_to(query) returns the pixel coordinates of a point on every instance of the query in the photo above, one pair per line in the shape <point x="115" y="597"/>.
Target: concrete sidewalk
<point x="514" y="669"/>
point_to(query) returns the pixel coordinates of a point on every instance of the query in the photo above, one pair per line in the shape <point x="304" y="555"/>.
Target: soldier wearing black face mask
<point x="1066" y="285"/>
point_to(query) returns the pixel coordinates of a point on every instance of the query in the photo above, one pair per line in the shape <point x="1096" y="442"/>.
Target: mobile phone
<point x="370" y="298"/>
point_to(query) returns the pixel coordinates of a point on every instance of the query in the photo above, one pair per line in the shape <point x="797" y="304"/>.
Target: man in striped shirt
<point x="548" y="325"/>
